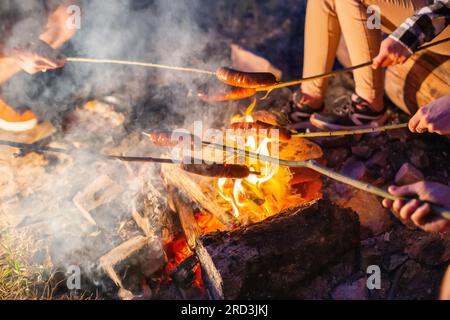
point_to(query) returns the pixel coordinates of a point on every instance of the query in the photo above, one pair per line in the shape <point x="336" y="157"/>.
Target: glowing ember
<point x="177" y="251"/>
<point x="256" y="198"/>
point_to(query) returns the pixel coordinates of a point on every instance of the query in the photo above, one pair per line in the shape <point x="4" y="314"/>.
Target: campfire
<point x="266" y="202"/>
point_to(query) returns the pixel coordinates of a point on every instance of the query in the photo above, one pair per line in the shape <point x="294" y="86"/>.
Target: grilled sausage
<point x="232" y="171"/>
<point x="242" y="79"/>
<point x="283" y="134"/>
<point x="230" y="94"/>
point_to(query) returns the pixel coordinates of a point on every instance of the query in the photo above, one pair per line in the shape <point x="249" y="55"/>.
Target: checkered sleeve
<point x="424" y="25"/>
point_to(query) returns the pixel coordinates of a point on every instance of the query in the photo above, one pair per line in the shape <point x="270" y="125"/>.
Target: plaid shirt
<point x="424" y="25"/>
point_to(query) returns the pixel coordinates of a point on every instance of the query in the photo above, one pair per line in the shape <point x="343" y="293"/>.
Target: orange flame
<point x="258" y="197"/>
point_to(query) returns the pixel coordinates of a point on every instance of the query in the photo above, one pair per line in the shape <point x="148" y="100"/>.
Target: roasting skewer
<point x="351" y="132"/>
<point x="193" y="165"/>
<point x="311" y="164"/>
<point x="259" y="81"/>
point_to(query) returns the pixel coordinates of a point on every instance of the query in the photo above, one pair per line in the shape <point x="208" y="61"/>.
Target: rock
<point x="379" y="159"/>
<point x="354" y="169"/>
<point x="337" y="156"/>
<point x="336" y="142"/>
<point x="363" y="152"/>
<point x="429" y="249"/>
<point x="356" y="290"/>
<point x="408" y="174"/>
<point x="401" y="134"/>
<point x="417" y="283"/>
<point x="373" y="217"/>
<point x="420" y="159"/>
<point x="396" y="261"/>
<point x="249" y="62"/>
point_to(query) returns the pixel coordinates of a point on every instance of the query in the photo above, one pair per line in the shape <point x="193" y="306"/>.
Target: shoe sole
<point x="333" y="127"/>
<point x="18" y="126"/>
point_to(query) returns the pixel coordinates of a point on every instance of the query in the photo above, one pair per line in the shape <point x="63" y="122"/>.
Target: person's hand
<point x="37" y="56"/>
<point x="417" y="211"/>
<point x="433" y="118"/>
<point x="391" y="53"/>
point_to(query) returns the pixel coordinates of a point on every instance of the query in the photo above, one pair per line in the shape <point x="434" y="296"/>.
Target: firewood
<point x="200" y="189"/>
<point x="101" y="191"/>
<point x="123" y="252"/>
<point x="281" y="253"/>
<point x="186" y="215"/>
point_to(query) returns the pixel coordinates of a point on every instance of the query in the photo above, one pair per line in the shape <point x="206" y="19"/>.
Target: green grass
<point x="20" y="279"/>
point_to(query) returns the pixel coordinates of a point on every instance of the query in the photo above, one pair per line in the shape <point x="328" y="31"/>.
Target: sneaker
<point x="11" y="120"/>
<point x="301" y="112"/>
<point x="350" y="114"/>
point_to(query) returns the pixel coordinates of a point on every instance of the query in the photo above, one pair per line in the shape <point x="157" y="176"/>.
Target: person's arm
<point x="418" y="210"/>
<point x="432" y="118"/>
<point x="422" y="27"/>
<point x="25" y="44"/>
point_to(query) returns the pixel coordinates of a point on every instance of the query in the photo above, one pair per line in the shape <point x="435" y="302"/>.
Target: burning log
<point x="278" y="254"/>
<point x="99" y="192"/>
<point x="185" y="215"/>
<point x="200" y="189"/>
<point x="127" y="250"/>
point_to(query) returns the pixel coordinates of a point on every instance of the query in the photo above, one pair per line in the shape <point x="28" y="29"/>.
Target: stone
<point x="363" y="152"/>
<point x="336" y="142"/>
<point x="420" y="159"/>
<point x="428" y="249"/>
<point x="373" y="217"/>
<point x="401" y="134"/>
<point x="417" y="283"/>
<point x="247" y="61"/>
<point x="336" y="156"/>
<point x="379" y="159"/>
<point x="408" y="174"/>
<point x="355" y="169"/>
<point x="356" y="290"/>
<point x="395" y="261"/>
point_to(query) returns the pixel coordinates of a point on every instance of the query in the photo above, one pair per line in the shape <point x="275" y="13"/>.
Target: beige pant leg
<point x="324" y="21"/>
<point x="363" y="45"/>
<point x="322" y="34"/>
<point x="445" y="287"/>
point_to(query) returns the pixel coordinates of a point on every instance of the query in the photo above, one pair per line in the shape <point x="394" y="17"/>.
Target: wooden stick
<point x="311" y="164"/>
<point x="351" y="132"/>
<point x="265" y="89"/>
<point x="139" y="64"/>
<point x="336" y="72"/>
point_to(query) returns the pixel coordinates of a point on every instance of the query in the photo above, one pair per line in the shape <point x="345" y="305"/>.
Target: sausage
<point x="283" y="134"/>
<point x="228" y="95"/>
<point x="232" y="171"/>
<point x="242" y="79"/>
<point x="163" y="138"/>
